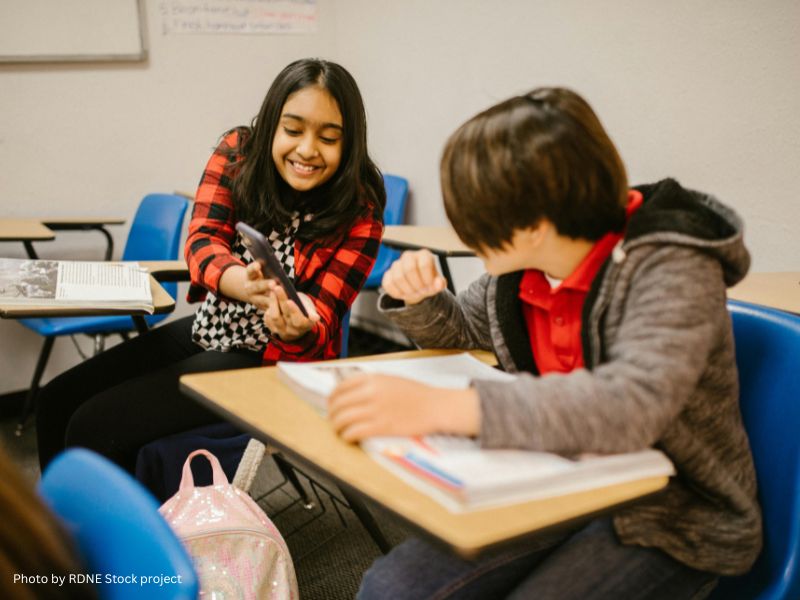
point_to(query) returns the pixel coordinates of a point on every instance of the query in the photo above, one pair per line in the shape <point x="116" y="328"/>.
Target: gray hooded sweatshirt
<point x="659" y="371"/>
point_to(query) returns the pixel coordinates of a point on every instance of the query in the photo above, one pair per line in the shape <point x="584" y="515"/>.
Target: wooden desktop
<point x="259" y="402"/>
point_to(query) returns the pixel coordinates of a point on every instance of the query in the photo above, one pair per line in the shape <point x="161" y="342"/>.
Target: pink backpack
<point x="237" y="551"/>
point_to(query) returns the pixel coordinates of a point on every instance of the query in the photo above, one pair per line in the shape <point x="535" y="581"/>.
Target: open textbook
<point x="65" y="283"/>
<point x="456" y="471"/>
<point x="315" y="381"/>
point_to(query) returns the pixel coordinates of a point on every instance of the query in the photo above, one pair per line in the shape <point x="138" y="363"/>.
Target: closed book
<point x="460" y="475"/>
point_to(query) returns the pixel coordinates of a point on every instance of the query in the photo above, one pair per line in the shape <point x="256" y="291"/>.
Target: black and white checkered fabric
<point x="223" y="325"/>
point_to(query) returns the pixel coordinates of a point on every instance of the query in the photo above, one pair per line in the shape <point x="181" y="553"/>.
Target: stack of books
<point x="456" y="471"/>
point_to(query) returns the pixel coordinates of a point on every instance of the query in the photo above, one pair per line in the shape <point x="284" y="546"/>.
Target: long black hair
<point x="261" y="196"/>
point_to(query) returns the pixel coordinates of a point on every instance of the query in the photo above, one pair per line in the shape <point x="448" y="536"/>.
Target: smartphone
<point x="262" y="251"/>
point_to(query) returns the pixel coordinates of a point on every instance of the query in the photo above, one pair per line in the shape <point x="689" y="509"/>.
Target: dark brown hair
<point x="261" y="196"/>
<point x="32" y="543"/>
<point x="543" y="155"/>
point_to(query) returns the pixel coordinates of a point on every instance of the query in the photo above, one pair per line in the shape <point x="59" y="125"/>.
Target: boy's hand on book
<point x="371" y="405"/>
<point x="283" y="317"/>
<point x="413" y="277"/>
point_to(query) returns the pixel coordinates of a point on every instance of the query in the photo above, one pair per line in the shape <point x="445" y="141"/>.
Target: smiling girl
<point x="301" y="174"/>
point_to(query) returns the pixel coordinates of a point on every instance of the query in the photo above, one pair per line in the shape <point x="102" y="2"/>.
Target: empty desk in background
<point x="87" y="224"/>
<point x="441" y="241"/>
<point x="779" y="290"/>
<point x="257" y="401"/>
<point x="25" y="231"/>
<point x="162" y="303"/>
<point x="28" y="231"/>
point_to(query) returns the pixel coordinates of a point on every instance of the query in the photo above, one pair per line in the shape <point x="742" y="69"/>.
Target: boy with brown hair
<point x="610" y="305"/>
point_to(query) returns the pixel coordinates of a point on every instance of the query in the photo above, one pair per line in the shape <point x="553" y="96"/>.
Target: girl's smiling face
<point x="307" y="147"/>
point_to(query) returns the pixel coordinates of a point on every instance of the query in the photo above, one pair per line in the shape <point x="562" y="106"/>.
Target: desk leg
<point x="33" y="390"/>
<point x="140" y="323"/>
<point x="109" y="243"/>
<point x="288" y="472"/>
<point x="367" y="520"/>
<point x="446" y="273"/>
<point x="29" y="249"/>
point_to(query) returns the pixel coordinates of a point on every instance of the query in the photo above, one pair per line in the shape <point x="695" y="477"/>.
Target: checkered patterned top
<point x="221" y="324"/>
<point x="331" y="271"/>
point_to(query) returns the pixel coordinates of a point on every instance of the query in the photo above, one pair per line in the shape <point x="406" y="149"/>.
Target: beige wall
<point x="707" y="92"/>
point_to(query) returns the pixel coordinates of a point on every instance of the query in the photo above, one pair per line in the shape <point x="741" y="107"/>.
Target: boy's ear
<point x="534" y="235"/>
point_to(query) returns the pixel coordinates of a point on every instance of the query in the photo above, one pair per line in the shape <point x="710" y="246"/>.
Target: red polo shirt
<point x="553" y="315"/>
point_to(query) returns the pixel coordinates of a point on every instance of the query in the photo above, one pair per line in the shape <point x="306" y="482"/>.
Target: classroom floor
<point x="330" y="548"/>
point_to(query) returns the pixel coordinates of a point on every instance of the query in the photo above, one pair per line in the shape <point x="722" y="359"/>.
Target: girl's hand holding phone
<point x="284" y="318"/>
<point x="413" y="277"/>
<point x="256" y="286"/>
<point x="281" y="316"/>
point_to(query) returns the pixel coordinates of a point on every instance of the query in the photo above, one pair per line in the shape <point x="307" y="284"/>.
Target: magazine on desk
<point x="66" y="283"/>
<point x="456" y="471"/>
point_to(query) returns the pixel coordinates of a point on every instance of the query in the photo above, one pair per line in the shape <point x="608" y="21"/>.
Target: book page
<point x="23" y="280"/>
<point x="105" y="285"/>
<point x="452" y="371"/>
<point x="107" y="282"/>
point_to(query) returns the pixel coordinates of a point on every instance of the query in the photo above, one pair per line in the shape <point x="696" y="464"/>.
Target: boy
<point x="609" y="303"/>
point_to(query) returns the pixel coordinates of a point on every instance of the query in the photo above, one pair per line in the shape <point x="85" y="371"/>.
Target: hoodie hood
<point x="675" y="215"/>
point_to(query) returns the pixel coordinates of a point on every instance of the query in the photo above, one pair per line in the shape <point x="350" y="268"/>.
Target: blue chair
<point x="155" y="235"/>
<point x="345" y="335"/>
<point x="768" y="358"/>
<point x="393" y="214"/>
<point x="116" y="526"/>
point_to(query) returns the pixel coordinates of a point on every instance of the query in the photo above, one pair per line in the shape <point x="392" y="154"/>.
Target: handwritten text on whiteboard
<point x="239" y="16"/>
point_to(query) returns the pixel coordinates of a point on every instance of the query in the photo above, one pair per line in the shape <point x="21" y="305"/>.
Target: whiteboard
<point x="72" y="30"/>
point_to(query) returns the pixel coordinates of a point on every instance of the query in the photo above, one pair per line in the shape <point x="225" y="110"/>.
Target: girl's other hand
<point x="413" y="277"/>
<point x="284" y="318"/>
<point x="369" y="405"/>
<point x="256" y="286"/>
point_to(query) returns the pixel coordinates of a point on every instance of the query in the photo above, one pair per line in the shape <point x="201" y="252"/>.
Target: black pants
<point x="123" y="398"/>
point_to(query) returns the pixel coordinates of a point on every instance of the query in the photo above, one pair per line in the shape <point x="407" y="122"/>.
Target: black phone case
<point x="262" y="251"/>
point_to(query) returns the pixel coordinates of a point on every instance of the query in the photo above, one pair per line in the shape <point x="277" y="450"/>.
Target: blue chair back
<point x="345" y="335"/>
<point x="156" y="231"/>
<point x="768" y="359"/>
<point x="393" y="214"/>
<point x="117" y="527"/>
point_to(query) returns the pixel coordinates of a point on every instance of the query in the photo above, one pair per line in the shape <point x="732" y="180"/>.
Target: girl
<point x="608" y="303"/>
<point x="301" y="174"/>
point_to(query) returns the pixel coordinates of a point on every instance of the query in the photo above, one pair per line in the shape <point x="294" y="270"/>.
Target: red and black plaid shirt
<point x="331" y="275"/>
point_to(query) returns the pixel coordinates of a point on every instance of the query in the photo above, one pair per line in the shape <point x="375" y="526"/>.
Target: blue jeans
<point x="589" y="563"/>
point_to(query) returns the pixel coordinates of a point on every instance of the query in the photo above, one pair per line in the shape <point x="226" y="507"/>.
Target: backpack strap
<point x="187" y="479"/>
<point x="248" y="466"/>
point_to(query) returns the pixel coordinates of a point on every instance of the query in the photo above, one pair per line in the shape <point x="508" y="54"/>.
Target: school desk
<point x="25" y="231"/>
<point x="87" y="224"/>
<point x="441" y="241"/>
<point x="257" y="401"/>
<point x="28" y="231"/>
<point x="162" y="303"/>
<point x="779" y="290"/>
<point x="167" y="270"/>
